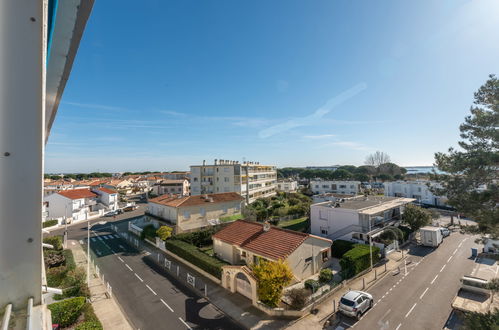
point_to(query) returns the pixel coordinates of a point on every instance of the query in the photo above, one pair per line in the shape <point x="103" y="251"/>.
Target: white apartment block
<point x="419" y="190"/>
<point x="287" y="185"/>
<point x="335" y="187"/>
<point x="250" y="179"/>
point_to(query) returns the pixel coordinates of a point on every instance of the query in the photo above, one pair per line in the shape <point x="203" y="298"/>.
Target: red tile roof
<point x="107" y="190"/>
<point x="276" y="243"/>
<point x="175" y="201"/>
<point x="77" y="193"/>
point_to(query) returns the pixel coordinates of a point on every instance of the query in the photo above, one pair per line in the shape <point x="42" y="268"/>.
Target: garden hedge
<point x="70" y="260"/>
<point x="49" y="223"/>
<point x="198" y="238"/>
<point x="193" y="255"/>
<point x="66" y="313"/>
<point x="56" y="241"/>
<point x="340" y="247"/>
<point x="357" y="259"/>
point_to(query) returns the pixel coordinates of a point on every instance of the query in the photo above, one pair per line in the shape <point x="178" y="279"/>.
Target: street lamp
<point x="88" y="245"/>
<point x="370" y="243"/>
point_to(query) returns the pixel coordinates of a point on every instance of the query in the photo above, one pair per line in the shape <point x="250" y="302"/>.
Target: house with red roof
<point x="246" y="242"/>
<point x="191" y="213"/>
<point x="80" y="204"/>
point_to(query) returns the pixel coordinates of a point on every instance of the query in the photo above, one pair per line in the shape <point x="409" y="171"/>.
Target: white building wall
<point x="325" y="221"/>
<point x="307" y="260"/>
<point x="414" y="189"/>
<point x="223" y="250"/>
<point x="339" y="187"/>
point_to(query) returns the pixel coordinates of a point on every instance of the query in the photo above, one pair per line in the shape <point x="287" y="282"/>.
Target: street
<point x="422" y="298"/>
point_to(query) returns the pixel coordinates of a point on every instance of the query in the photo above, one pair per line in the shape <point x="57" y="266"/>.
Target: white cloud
<point x="94" y="106"/>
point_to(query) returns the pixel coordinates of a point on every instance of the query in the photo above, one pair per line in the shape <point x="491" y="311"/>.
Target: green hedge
<point x="406" y="231"/>
<point x="149" y="232"/>
<point x="70" y="260"/>
<point x="91" y="320"/>
<point x="66" y="313"/>
<point x="49" y="223"/>
<point x="198" y="238"/>
<point x="357" y="259"/>
<point x="325" y="275"/>
<point x="193" y="255"/>
<point x="56" y="241"/>
<point x="312" y="285"/>
<point x="340" y="247"/>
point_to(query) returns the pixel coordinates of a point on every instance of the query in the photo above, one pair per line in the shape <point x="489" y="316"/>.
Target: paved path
<point x="106" y="308"/>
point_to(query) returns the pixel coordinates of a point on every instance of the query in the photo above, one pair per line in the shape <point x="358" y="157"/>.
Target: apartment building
<point x="335" y="187"/>
<point x="287" y="185"/>
<point x="249" y="179"/>
<point x="419" y="190"/>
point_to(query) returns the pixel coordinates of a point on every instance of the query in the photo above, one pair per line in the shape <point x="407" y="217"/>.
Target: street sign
<point x="191" y="279"/>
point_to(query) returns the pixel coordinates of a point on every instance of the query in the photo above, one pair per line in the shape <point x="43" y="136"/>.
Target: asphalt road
<point x="420" y="299"/>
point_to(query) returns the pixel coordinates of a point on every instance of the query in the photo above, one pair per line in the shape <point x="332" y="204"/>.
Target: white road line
<point x="105" y="237"/>
<point x="100" y="238"/>
<point x="410" y="310"/>
<point x="94" y="239"/>
<point x="386" y="313"/>
<point x="398" y="326"/>
<point x="434" y="279"/>
<point x="129" y="267"/>
<point x="121" y="259"/>
<point x="139" y="277"/>
<point x="460" y="244"/>
<point x="164" y="303"/>
<point x="151" y="290"/>
<point x="188" y="327"/>
<point x="113" y="251"/>
<point x="449" y="258"/>
<point x="441" y="269"/>
<point x="453" y="253"/>
<point x="116" y="236"/>
<point x="421" y="296"/>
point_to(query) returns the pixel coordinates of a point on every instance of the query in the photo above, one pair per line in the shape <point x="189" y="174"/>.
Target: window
<point x="226" y="179"/>
<point x="308" y="260"/>
<point x="243" y="254"/>
<point x="343" y="186"/>
<point x="324" y="255"/>
<point x="323" y="230"/>
<point x="325" y="186"/>
<point x="226" y="169"/>
<point x="202" y="211"/>
<point x="195" y="179"/>
<point x="316" y="186"/>
<point x="186" y="215"/>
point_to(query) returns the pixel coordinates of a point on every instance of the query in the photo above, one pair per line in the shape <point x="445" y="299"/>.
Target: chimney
<point x="204" y="162"/>
<point x="215" y="162"/>
<point x="266" y="226"/>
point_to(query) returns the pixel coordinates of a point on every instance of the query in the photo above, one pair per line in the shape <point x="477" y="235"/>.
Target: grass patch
<point x="232" y="218"/>
<point x="300" y="224"/>
<point x="49" y="223"/>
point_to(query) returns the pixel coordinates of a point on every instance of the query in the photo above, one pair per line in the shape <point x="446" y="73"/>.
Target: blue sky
<point x="165" y="84"/>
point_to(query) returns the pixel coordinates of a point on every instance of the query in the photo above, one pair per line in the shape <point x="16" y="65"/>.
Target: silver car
<point x="355" y="303"/>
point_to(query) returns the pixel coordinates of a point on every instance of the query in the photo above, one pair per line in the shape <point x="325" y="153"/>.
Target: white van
<point x="474" y="284"/>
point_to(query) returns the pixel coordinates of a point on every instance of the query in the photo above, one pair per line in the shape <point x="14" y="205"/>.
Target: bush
<point x="164" y="232"/>
<point x="55" y="276"/>
<point x="49" y="223"/>
<point x="193" y="255"/>
<point x="91" y="320"/>
<point x="65" y="313"/>
<point x="326" y="275"/>
<point x="74" y="284"/>
<point x="198" y="238"/>
<point x="56" y="241"/>
<point x="149" y="232"/>
<point x="406" y="231"/>
<point x="357" y="259"/>
<point x="70" y="260"/>
<point x="54" y="259"/>
<point x="272" y="277"/>
<point x="340" y="247"/>
<point x="298" y="298"/>
<point x="312" y="285"/>
<point x="89" y="325"/>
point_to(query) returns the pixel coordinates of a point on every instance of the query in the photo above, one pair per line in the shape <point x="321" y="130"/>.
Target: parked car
<point x="130" y="208"/>
<point x="445" y="232"/>
<point x="111" y="214"/>
<point x="119" y="211"/>
<point x="355" y="303"/>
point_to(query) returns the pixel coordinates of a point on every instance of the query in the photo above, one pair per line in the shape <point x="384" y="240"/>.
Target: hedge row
<point x="91" y="321"/>
<point x="198" y="238"/>
<point x="56" y="241"/>
<point x="65" y="313"/>
<point x="358" y="259"/>
<point x="340" y="247"/>
<point x="70" y="260"/>
<point x="49" y="223"/>
<point x="193" y="255"/>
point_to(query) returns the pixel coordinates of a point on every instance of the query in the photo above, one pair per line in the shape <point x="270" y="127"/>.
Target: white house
<point x="419" y="190"/>
<point x="337" y="187"/>
<point x="356" y="218"/>
<point x="178" y="187"/>
<point x="108" y="197"/>
<point x="74" y="205"/>
<point x="287" y="185"/>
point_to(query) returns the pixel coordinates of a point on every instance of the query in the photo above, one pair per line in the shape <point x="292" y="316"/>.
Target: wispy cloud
<point x="314" y="117"/>
<point x="319" y="137"/>
<point x="173" y="113"/>
<point x="95" y="106"/>
<point x="350" y="145"/>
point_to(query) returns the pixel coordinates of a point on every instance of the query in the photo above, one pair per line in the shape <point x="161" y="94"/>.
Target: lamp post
<point x="370" y="243"/>
<point x="88" y="245"/>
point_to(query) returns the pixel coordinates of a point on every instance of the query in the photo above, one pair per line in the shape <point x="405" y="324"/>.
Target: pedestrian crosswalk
<point x="104" y="237"/>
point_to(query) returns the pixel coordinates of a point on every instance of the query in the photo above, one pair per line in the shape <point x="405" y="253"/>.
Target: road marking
<point x="390" y="289"/>
<point x="164" y="303"/>
<point x="434" y="279"/>
<point x="383" y="296"/>
<point x="121" y="259"/>
<point x="449" y="258"/>
<point x="100" y="238"/>
<point x="386" y="313"/>
<point x="460" y="244"/>
<point x="98" y="252"/>
<point x="151" y="290"/>
<point x="441" y="269"/>
<point x="139" y="277"/>
<point x="421" y="296"/>
<point x="94" y="239"/>
<point x="129" y="267"/>
<point x="188" y="327"/>
<point x="105" y="237"/>
<point x="398" y="326"/>
<point x="410" y="310"/>
<point x="453" y="253"/>
<point x="116" y="236"/>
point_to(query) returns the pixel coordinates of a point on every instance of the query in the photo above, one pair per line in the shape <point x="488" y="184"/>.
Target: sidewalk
<point x="106" y="308"/>
<point x="325" y="309"/>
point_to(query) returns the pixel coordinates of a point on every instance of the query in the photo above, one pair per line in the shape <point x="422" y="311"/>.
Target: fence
<point x="167" y="265"/>
<point x="100" y="276"/>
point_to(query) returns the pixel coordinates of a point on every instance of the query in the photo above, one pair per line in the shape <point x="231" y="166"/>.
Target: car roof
<point x="352" y="295"/>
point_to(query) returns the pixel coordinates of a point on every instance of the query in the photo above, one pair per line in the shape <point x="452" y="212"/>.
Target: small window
<point x="243" y="254"/>
<point x="308" y="260"/>
<point x="202" y="211"/>
<point x="186" y="215"/>
<point x="226" y="179"/>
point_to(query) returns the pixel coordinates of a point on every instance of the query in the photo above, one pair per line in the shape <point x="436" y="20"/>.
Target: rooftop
<point x="77" y="193"/>
<point x="177" y="201"/>
<point x="369" y="204"/>
<point x="107" y="190"/>
<point x="276" y="243"/>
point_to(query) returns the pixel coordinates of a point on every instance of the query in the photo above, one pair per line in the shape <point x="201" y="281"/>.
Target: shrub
<point x="70" y="260"/>
<point x="406" y="231"/>
<point x="340" y="247"/>
<point x="326" y="275"/>
<point x="74" y="284"/>
<point x="89" y="325"/>
<point x="298" y="298"/>
<point x="65" y="313"/>
<point x="198" y="238"/>
<point x="164" y="232"/>
<point x="193" y="255"/>
<point x="272" y="277"/>
<point x="357" y="259"/>
<point x="56" y="241"/>
<point x="91" y="321"/>
<point x="148" y="232"/>
<point x="312" y="285"/>
<point x="54" y="258"/>
<point x="55" y="276"/>
<point x="49" y="223"/>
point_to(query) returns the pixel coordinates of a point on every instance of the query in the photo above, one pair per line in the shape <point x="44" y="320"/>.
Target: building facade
<point x="287" y="185"/>
<point x="335" y="187"/>
<point x="250" y="179"/>
<point x="191" y="213"/>
<point x="178" y="187"/>
<point x="419" y="190"/>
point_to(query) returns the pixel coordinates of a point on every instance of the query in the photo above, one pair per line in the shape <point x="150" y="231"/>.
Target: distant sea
<point x="421" y="169"/>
